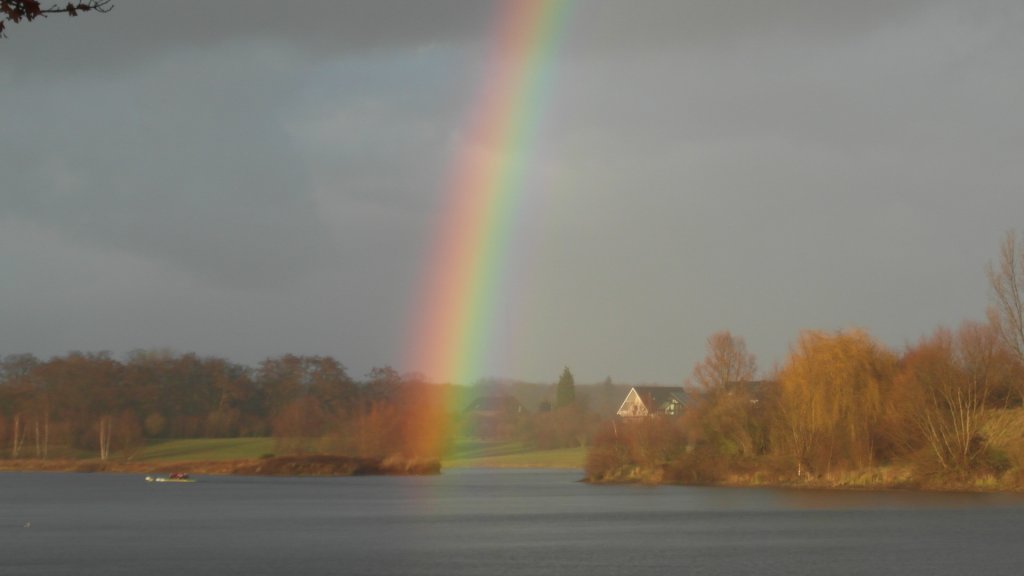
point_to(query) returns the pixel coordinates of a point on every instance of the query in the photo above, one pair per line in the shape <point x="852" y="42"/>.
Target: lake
<point x="475" y="521"/>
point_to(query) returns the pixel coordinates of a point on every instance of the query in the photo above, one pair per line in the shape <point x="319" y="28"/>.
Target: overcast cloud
<point x="246" y="181"/>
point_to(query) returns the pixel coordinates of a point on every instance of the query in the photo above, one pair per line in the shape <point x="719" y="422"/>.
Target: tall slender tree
<point x="565" y="392"/>
<point x="1006" y="283"/>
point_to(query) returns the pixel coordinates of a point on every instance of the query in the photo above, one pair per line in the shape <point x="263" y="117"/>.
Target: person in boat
<point x="178" y="476"/>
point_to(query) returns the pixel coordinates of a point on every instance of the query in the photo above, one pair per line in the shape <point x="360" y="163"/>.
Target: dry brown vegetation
<point x="842" y="411"/>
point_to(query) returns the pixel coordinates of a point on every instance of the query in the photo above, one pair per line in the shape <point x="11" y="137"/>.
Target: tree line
<point x="843" y="407"/>
<point x="93" y="403"/>
<point x="89" y="404"/>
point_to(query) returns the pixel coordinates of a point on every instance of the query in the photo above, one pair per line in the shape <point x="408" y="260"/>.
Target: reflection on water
<point x="488" y="522"/>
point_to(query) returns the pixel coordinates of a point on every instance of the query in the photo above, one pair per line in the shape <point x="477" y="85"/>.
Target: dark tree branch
<point x="15" y="11"/>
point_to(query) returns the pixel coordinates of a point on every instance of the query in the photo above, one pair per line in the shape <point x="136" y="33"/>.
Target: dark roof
<point x="758" y="389"/>
<point x="657" y="397"/>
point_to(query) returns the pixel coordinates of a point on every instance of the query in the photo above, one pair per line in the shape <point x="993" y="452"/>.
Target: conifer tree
<point x="565" y="393"/>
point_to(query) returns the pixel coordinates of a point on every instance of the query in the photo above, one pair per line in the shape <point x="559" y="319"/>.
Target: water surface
<point x="490" y="522"/>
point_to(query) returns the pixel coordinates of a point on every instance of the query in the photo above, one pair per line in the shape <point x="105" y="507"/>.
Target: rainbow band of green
<point x="455" y="337"/>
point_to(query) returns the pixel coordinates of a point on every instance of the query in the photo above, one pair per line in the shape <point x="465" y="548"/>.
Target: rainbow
<point x="454" y="335"/>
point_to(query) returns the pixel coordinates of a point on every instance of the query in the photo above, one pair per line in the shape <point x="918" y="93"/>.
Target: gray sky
<point x="246" y="181"/>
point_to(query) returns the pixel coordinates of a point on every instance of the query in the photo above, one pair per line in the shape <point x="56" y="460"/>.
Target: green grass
<point x="207" y="449"/>
<point x="511" y="454"/>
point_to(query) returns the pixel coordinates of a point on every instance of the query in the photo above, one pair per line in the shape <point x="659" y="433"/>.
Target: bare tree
<point x="955" y="376"/>
<point x="15" y="11"/>
<point x="722" y="402"/>
<point x="1006" y="281"/>
<point x="19" y="436"/>
<point x="726" y="361"/>
<point x="106" y="432"/>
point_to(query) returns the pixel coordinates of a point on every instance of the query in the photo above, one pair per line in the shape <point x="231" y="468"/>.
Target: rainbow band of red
<point x="454" y="338"/>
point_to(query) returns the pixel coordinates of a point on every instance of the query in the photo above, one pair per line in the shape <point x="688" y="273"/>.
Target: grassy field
<point x="467" y="453"/>
<point x="206" y="449"/>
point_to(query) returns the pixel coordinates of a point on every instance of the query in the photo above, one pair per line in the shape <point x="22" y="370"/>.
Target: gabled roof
<point x="655" y="399"/>
<point x="660" y="396"/>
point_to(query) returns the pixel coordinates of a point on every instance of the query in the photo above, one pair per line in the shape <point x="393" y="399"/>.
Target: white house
<point x="645" y="401"/>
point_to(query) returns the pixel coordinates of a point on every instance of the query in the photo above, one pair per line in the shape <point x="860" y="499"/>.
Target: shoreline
<point x="901" y="480"/>
<point x="312" y="465"/>
<point x="344" y="466"/>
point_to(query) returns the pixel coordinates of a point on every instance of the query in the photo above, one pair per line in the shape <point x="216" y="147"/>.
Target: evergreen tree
<point x="565" y="393"/>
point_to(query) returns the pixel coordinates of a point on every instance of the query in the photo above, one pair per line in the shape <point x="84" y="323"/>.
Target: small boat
<point x="173" y="477"/>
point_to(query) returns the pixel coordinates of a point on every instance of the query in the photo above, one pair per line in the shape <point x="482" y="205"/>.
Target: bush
<point x="705" y="465"/>
<point x="637" y="449"/>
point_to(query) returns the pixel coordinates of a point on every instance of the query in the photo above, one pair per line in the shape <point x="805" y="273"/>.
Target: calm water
<point x="490" y="522"/>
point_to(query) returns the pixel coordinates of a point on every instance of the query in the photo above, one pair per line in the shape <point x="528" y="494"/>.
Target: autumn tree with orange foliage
<point x="833" y="389"/>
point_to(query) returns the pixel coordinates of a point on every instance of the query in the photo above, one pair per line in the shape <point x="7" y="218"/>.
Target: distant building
<point x="644" y="401"/>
